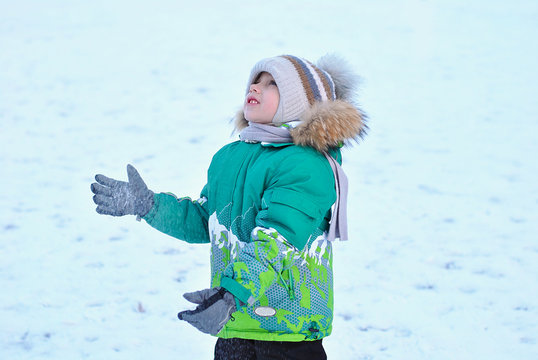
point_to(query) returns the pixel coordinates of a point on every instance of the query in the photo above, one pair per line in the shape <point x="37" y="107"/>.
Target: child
<point x="266" y="210"/>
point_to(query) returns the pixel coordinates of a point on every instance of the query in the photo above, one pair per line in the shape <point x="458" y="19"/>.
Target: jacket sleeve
<point x="181" y="218"/>
<point x="294" y="205"/>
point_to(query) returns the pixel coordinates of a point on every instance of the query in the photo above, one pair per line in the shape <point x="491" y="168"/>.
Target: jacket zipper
<point x="290" y="287"/>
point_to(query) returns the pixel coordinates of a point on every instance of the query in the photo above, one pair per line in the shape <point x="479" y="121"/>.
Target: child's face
<point x="262" y="100"/>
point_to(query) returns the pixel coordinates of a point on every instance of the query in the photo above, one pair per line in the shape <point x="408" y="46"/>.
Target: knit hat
<point x="320" y="97"/>
<point x="300" y="84"/>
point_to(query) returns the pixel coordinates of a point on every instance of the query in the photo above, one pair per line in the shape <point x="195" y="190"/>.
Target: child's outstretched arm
<point x="181" y="218"/>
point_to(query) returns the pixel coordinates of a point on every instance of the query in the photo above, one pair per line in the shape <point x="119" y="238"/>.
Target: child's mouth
<point x="252" y="100"/>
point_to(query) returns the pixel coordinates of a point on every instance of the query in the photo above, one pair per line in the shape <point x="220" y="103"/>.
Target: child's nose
<point x="254" y="88"/>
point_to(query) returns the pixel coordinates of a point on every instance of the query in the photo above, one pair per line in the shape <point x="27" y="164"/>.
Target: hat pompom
<point x="345" y="80"/>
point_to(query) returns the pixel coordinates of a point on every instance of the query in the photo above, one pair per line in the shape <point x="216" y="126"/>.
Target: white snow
<point x="443" y="257"/>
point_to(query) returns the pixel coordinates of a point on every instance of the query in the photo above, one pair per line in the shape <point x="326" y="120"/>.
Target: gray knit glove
<point x="118" y="198"/>
<point x="213" y="312"/>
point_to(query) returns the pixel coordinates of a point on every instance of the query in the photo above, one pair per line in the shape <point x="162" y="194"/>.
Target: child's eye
<point x="273" y="82"/>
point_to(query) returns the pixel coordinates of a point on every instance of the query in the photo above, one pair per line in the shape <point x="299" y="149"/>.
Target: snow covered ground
<point x="443" y="261"/>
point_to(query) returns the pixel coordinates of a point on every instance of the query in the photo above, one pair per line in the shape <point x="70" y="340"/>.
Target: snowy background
<point x="443" y="261"/>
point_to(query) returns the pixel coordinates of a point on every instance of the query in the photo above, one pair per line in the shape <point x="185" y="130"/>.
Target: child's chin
<point x="260" y="121"/>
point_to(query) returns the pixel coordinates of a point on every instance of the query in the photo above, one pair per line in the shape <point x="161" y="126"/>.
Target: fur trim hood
<point x="330" y="123"/>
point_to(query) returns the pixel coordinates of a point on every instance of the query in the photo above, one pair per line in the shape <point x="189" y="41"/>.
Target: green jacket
<point x="264" y="210"/>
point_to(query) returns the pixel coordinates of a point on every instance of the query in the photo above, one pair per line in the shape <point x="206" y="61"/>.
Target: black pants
<point x="243" y="349"/>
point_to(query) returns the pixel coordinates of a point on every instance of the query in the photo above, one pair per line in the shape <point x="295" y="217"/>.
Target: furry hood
<point x="329" y="123"/>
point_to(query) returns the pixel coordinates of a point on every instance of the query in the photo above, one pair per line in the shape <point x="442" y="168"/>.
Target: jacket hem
<point x="268" y="336"/>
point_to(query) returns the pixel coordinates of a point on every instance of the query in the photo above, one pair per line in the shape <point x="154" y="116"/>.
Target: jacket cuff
<point x="237" y="290"/>
<point x="153" y="211"/>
